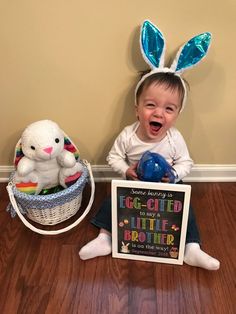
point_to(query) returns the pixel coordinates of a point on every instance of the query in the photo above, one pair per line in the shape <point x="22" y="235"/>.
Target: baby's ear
<point x="136" y="112"/>
<point x="192" y="52"/>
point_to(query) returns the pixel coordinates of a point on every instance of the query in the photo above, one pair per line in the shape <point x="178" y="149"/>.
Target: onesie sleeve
<point x="117" y="155"/>
<point x="182" y="162"/>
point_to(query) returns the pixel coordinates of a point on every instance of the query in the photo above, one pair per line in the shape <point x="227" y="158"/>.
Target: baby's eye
<point x="57" y="140"/>
<point x="169" y="109"/>
<point x="32" y="147"/>
<point x="150" y="105"/>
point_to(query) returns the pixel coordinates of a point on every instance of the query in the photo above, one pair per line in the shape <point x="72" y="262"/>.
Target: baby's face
<point x="157" y="111"/>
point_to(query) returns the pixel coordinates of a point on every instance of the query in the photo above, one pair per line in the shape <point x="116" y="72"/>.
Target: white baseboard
<point x="212" y="173"/>
<point x="5" y="172"/>
<point x="199" y="173"/>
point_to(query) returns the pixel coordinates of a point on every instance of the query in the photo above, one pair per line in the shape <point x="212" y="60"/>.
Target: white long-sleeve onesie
<point x="128" y="149"/>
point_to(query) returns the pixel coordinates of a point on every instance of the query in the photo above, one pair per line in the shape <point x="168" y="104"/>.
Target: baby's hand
<point x="131" y="172"/>
<point x="165" y="179"/>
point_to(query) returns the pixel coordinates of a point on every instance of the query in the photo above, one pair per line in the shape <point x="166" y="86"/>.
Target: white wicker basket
<point x="54" y="208"/>
<point x="56" y="214"/>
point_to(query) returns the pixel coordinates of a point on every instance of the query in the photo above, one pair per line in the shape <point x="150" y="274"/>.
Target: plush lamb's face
<point x="42" y="140"/>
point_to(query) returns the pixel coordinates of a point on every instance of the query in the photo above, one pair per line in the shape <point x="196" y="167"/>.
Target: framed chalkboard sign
<point x="149" y="220"/>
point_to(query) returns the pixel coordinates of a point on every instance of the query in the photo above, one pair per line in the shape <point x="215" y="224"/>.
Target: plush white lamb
<point x="45" y="161"/>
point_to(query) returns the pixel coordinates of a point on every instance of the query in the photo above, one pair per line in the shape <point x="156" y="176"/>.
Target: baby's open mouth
<point x="155" y="126"/>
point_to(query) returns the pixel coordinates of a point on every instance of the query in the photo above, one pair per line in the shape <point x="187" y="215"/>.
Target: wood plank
<point x="44" y="274"/>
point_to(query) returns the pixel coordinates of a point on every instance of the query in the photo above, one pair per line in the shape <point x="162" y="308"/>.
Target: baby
<point x="159" y="98"/>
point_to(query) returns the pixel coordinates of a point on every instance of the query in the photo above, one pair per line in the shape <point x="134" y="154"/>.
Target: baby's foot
<point x="194" y="256"/>
<point x="100" y="246"/>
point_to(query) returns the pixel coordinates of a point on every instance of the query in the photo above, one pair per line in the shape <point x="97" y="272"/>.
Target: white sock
<point x="100" y="246"/>
<point x="194" y="256"/>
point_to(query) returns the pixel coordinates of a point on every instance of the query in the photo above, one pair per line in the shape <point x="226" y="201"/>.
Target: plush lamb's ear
<point x="152" y="44"/>
<point x="191" y="53"/>
<point x="70" y="146"/>
<point x="18" y="153"/>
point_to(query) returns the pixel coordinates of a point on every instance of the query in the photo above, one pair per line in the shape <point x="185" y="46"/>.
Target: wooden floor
<point x="43" y="274"/>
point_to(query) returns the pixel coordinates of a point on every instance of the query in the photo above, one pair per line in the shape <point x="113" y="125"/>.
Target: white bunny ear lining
<point x="152" y="44"/>
<point x="192" y="52"/>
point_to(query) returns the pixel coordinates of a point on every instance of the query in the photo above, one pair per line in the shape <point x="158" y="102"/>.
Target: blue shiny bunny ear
<point x="152" y="44"/>
<point x="192" y="52"/>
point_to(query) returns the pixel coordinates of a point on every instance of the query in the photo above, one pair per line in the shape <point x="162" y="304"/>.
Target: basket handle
<point x="59" y="231"/>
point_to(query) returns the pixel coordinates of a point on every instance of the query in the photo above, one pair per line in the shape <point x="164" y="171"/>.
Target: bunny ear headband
<point x="152" y="45"/>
